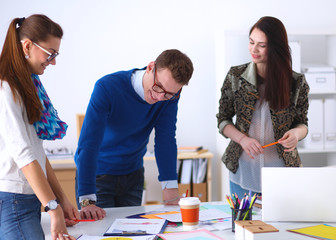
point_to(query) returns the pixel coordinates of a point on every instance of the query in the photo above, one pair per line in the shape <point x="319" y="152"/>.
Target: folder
<point x="202" y="170"/>
<point x="182" y="188"/>
<point x="314" y="139"/>
<point x="186" y="171"/>
<point x="329" y="124"/>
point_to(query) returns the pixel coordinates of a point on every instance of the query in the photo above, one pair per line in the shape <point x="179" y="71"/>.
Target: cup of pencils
<point x="241" y="208"/>
<point x="240" y="214"/>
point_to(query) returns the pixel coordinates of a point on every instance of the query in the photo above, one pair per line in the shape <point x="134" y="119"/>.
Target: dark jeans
<point x="119" y="191"/>
<point x="235" y="188"/>
<point x="20" y="217"/>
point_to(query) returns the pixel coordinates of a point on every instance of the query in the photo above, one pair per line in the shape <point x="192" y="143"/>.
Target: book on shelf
<point x="189" y="149"/>
<point x="59" y="153"/>
<point x="194" y="152"/>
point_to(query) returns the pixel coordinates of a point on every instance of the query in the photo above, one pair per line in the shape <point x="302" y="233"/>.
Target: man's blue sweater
<point x="116" y="130"/>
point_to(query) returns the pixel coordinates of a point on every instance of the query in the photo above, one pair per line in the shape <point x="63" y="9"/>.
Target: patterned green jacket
<point x="239" y="96"/>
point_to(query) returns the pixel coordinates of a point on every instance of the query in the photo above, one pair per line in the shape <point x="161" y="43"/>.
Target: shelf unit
<point x="65" y="171"/>
<point x="183" y="156"/>
<point x="152" y="173"/>
<point x="307" y="151"/>
<point x="318" y="49"/>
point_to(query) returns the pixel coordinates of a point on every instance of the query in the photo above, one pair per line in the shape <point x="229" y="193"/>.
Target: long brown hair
<point x="278" y="75"/>
<point x="14" y="67"/>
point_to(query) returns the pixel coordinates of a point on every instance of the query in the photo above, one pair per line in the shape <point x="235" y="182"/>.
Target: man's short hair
<point x="178" y="63"/>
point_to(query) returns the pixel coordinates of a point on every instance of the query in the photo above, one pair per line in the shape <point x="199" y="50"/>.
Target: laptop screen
<point x="304" y="194"/>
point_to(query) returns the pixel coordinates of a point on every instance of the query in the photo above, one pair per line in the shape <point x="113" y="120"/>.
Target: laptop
<point x="305" y="194"/>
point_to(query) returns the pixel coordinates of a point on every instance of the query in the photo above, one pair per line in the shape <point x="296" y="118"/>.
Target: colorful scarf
<point x="50" y="127"/>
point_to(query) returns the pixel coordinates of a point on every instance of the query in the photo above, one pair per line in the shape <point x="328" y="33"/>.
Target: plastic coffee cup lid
<point x="189" y="201"/>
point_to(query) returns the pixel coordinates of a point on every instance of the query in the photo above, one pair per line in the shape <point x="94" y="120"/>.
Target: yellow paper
<point x="323" y="231"/>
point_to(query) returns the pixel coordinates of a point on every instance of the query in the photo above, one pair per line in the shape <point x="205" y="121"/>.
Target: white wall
<point x="104" y="36"/>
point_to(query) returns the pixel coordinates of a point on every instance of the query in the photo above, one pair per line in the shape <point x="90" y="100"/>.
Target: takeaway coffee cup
<point x="190" y="212"/>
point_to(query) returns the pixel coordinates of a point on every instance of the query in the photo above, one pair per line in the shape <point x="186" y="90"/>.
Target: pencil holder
<point x="240" y="214"/>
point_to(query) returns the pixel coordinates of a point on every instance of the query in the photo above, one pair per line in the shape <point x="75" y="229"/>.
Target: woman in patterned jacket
<point x="270" y="102"/>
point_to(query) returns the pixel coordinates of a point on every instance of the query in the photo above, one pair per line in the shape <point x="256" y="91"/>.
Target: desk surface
<point x="99" y="227"/>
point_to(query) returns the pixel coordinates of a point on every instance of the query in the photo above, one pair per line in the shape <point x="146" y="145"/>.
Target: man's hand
<point x="171" y="196"/>
<point x="92" y="212"/>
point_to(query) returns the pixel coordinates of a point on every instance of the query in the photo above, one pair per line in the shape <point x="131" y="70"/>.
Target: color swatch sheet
<point x="132" y="226"/>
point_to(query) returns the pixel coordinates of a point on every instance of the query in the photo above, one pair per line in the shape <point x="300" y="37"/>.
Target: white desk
<point x="99" y="227"/>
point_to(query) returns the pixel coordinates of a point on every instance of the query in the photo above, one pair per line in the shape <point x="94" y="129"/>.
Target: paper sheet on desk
<point x="135" y="225"/>
<point x="87" y="237"/>
<point x="204" y="215"/>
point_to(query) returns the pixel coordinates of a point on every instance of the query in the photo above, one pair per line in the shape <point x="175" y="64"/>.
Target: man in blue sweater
<point x="123" y="110"/>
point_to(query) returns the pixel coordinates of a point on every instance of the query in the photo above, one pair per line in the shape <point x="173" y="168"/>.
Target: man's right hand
<point x="92" y="212"/>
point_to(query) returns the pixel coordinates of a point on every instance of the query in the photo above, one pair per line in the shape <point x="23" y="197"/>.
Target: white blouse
<point x="19" y="144"/>
<point x="248" y="175"/>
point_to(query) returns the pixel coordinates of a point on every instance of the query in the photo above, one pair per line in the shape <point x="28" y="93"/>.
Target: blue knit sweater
<point x="116" y="130"/>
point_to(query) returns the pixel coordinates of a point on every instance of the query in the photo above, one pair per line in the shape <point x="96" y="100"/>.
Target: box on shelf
<point x="194" y="190"/>
<point x="183" y="187"/>
<point x="200" y="190"/>
<point x="321" y="78"/>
